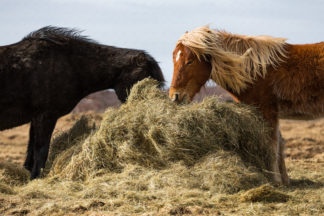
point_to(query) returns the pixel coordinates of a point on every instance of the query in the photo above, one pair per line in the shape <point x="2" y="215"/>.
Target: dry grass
<point x="265" y="193"/>
<point x="154" y="157"/>
<point x="12" y="174"/>
<point x="80" y="130"/>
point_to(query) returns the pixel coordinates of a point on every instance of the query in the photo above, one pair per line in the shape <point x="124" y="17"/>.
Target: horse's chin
<point x="185" y="99"/>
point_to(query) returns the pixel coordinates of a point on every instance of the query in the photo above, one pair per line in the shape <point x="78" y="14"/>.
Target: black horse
<point x="46" y="74"/>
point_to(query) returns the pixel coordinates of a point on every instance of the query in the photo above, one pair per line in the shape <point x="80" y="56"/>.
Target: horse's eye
<point x="189" y="62"/>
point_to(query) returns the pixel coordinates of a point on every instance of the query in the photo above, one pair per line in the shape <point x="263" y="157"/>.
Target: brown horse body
<point x="293" y="88"/>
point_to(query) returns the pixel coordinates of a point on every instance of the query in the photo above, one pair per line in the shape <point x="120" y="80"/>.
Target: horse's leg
<point x="44" y="125"/>
<point x="271" y="117"/>
<point x="281" y="160"/>
<point x="276" y="174"/>
<point x="30" y="150"/>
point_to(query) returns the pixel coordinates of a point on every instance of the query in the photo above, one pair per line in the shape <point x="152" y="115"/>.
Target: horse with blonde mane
<point x="281" y="80"/>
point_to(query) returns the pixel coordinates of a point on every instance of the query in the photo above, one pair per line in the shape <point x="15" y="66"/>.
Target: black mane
<point x="58" y="35"/>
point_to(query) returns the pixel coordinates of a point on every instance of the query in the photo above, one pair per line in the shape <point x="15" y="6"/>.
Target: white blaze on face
<point x="178" y="55"/>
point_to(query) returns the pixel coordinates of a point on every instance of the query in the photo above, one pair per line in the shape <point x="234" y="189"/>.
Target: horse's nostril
<point x="175" y="97"/>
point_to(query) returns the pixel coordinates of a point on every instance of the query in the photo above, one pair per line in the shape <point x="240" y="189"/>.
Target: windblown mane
<point x="58" y="35"/>
<point x="236" y="60"/>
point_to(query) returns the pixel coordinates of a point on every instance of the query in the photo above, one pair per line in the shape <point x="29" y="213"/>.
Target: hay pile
<point x="12" y="175"/>
<point x="153" y="132"/>
<point x="151" y="153"/>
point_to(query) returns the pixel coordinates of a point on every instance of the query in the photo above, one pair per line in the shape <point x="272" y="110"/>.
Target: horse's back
<point x="30" y="72"/>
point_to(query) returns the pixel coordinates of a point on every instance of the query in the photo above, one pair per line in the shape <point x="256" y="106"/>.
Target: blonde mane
<point x="236" y="60"/>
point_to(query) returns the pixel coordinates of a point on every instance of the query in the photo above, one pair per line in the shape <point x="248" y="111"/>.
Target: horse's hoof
<point x="34" y="174"/>
<point x="276" y="179"/>
<point x="286" y="181"/>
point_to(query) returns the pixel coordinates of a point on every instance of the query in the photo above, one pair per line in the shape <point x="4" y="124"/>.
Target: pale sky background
<point x="155" y="26"/>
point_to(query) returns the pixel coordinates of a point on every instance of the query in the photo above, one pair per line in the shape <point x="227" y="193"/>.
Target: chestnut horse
<point x="278" y="78"/>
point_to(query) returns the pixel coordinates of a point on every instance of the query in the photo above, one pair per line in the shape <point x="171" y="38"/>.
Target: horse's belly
<point x="299" y="116"/>
<point x="13" y="117"/>
<point x="301" y="111"/>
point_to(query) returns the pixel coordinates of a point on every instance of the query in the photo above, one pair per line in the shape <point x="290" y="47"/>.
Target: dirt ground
<point x="304" y="139"/>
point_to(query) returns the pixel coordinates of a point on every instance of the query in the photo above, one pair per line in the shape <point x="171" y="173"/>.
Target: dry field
<point x="185" y="194"/>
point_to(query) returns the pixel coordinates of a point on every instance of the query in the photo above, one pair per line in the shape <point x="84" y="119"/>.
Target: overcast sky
<point x="155" y="26"/>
